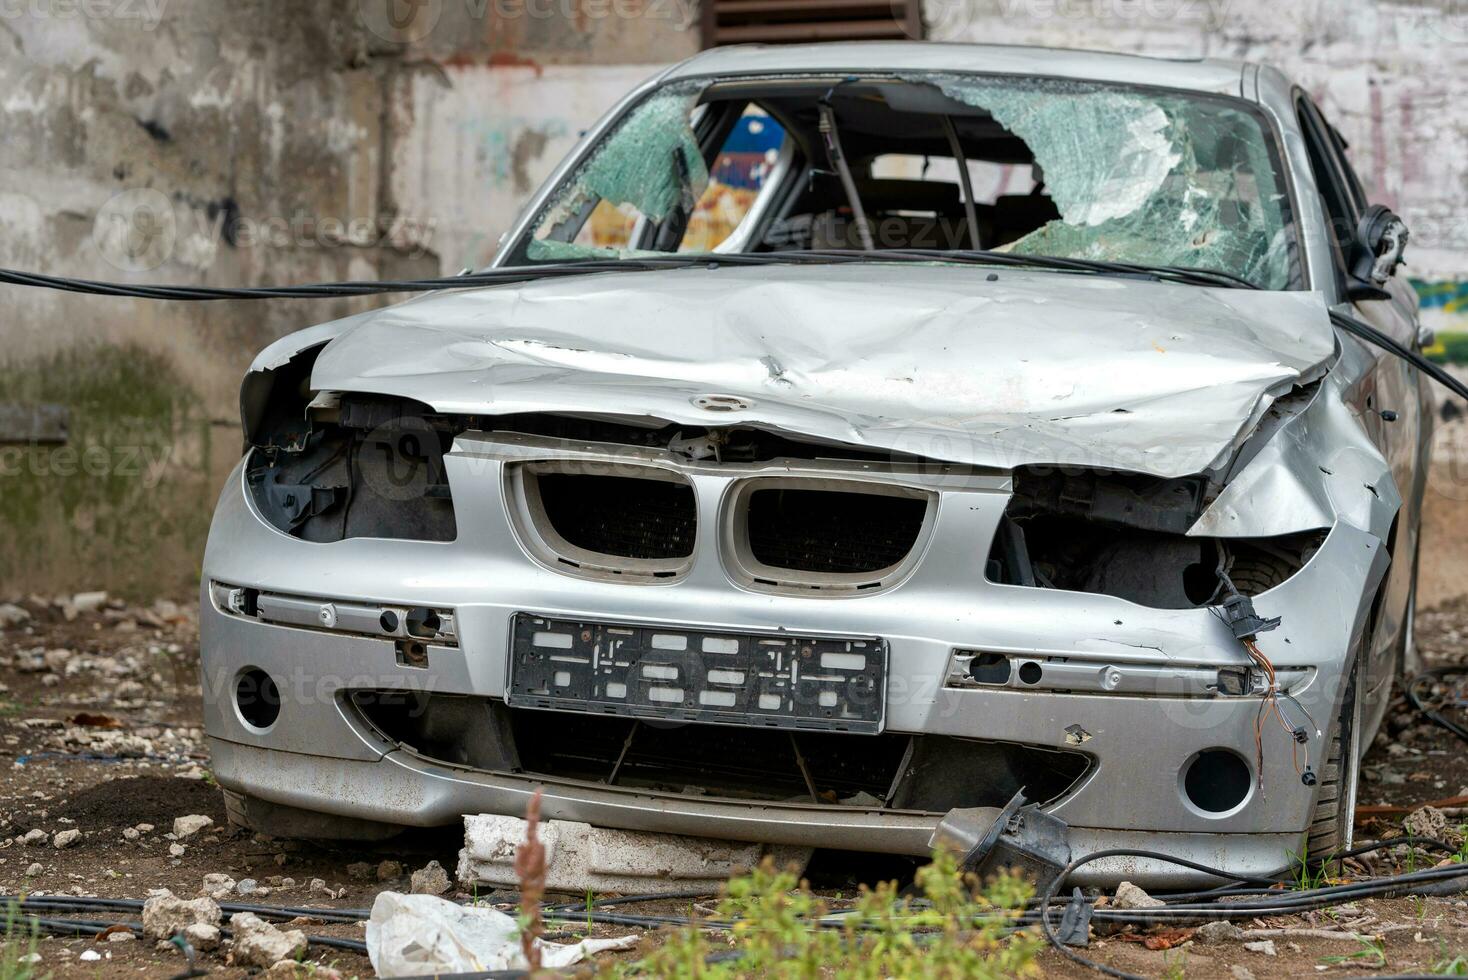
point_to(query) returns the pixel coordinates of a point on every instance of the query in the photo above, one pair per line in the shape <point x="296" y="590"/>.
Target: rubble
<point x="66" y="838"/>
<point x="165" y="914"/>
<point x="202" y="936"/>
<point x="217" y="886"/>
<point x="191" y="825"/>
<point x="258" y="943"/>
<point x="1265" y="946"/>
<point x="1129" y="896"/>
<point x="1219" y="932"/>
<point x="431" y="879"/>
<point x="13" y="615"/>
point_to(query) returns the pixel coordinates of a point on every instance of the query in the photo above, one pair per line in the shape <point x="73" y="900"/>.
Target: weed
<point x="19" y="946"/>
<point x="1371" y="955"/>
<point x="1175" y="966"/>
<point x="780" y="929"/>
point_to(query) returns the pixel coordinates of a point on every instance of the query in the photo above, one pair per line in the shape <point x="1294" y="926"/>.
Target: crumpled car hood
<point x="962" y="364"/>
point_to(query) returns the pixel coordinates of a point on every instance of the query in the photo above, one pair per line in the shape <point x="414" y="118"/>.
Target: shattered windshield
<point x="1064" y="169"/>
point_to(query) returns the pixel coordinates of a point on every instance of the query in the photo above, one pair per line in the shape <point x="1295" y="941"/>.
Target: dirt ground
<point x="100" y="733"/>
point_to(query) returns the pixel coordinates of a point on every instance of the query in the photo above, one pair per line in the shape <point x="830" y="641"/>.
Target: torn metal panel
<point x="932" y="361"/>
<point x="1319" y="467"/>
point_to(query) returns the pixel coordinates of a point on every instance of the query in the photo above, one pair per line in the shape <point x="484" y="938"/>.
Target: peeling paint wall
<point x="255" y="142"/>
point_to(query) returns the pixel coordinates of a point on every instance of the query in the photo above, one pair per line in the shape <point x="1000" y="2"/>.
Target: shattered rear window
<point x="1067" y="169"/>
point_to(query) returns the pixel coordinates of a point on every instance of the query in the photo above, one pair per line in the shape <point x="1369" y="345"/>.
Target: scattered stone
<point x="66" y="838"/>
<point x="176" y="850"/>
<point x="1241" y="972"/>
<point x="1427" y="821"/>
<point x="247" y="886"/>
<point x="432" y="879"/>
<point x="55" y="660"/>
<point x="258" y="943"/>
<point x="217" y="886"/>
<point x="1265" y="946"/>
<point x="87" y="602"/>
<point x="166" y="914"/>
<point x="202" y="937"/>
<point x="1215" y="933"/>
<point x="35" y="838"/>
<point x="360" y="871"/>
<point x="130" y="833"/>
<point x="319" y="887"/>
<point x="191" y="825"/>
<point x="389" y="871"/>
<point x="1129" y="896"/>
<point x="34" y="870"/>
<point x="144" y="828"/>
<point x="121" y="936"/>
<point x="12" y="615"/>
<point x="290" y="968"/>
<point x="89" y="956"/>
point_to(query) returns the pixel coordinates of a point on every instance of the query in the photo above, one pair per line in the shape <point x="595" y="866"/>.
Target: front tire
<point x="1333" y="817"/>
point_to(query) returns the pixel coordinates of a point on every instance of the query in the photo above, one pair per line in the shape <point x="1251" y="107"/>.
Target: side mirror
<point x="1381" y="238"/>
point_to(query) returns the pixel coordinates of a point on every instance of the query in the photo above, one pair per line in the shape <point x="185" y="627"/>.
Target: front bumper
<point x="319" y="755"/>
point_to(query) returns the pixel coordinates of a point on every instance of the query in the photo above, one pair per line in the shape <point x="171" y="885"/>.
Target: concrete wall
<point x="254" y="142"/>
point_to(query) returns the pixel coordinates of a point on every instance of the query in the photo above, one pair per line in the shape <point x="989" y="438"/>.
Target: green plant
<point x="19" y="947"/>
<point x="1175" y="966"/>
<point x="1462" y="856"/>
<point x="1457" y="966"/>
<point x="779" y="928"/>
<point x="1305" y="876"/>
<point x="1371" y="955"/>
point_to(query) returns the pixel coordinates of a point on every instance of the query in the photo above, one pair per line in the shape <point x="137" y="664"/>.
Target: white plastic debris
<point x="423" y="935"/>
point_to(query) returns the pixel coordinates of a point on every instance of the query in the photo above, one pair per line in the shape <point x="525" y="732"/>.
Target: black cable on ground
<point x="1415" y="696"/>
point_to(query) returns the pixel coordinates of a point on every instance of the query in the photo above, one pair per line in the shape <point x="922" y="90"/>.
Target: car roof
<point x="1215" y="75"/>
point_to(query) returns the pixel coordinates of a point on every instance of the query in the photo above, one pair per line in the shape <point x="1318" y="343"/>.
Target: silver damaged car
<point x="870" y="432"/>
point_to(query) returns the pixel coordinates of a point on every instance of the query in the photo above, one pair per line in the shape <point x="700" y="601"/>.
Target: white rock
<point x="12" y="615"/>
<point x="1265" y="946"/>
<point x="35" y="838"/>
<point x="66" y="838"/>
<point x="121" y="937"/>
<point x="176" y="850"/>
<point x="247" y="886"/>
<point x="1129" y="896"/>
<point x="85" y="602"/>
<point x="202" y="937"/>
<point x="89" y="955"/>
<point x="130" y="833"/>
<point x="191" y="825"/>
<point x="217" y="886"/>
<point x="258" y="943"/>
<point x="34" y="870"/>
<point x="164" y="915"/>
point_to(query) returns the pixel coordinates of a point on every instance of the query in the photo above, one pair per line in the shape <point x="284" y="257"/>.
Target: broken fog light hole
<point x="257" y="698"/>
<point x="411" y="653"/>
<point x="989" y="668"/>
<point x="1216" y="780"/>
